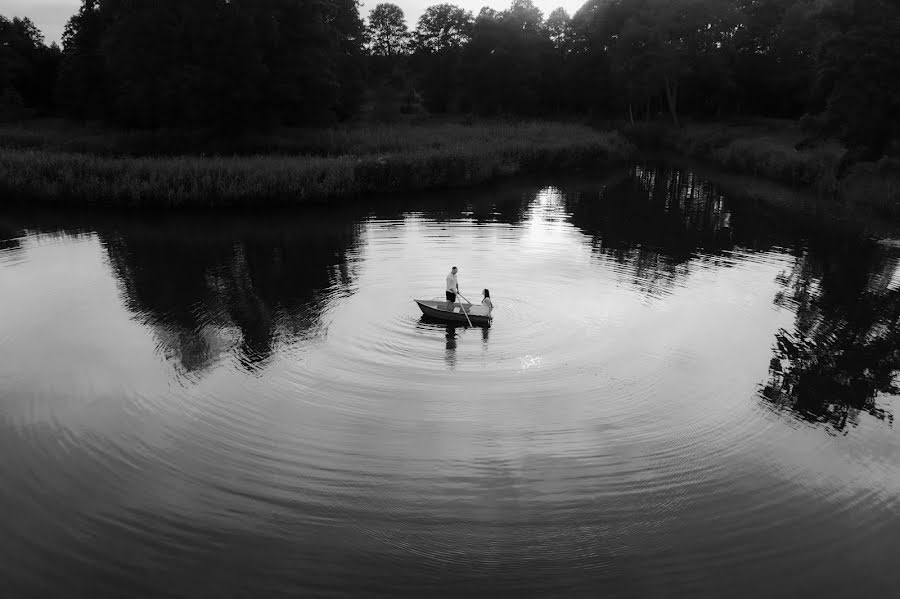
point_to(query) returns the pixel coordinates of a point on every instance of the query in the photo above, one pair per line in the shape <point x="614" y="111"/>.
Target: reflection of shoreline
<point x="267" y="284"/>
<point x="209" y="287"/>
<point x="845" y="347"/>
<point x="653" y="220"/>
<point x="212" y="286"/>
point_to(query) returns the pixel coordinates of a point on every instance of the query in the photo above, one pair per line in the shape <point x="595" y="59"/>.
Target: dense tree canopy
<point x="559" y="29"/>
<point x="84" y="84"/>
<point x="443" y="28"/>
<point x="858" y="72"/>
<point x="27" y="68"/>
<point x="213" y="63"/>
<point x="507" y="60"/>
<point x="440" y="37"/>
<point x="240" y="63"/>
<point x="388" y="34"/>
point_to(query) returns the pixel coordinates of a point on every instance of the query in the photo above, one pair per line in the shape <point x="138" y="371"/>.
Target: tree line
<point x="254" y="63"/>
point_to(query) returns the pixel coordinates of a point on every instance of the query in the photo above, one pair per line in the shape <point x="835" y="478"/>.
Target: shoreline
<point x="801" y="201"/>
<point x="420" y="158"/>
<point x="126" y="170"/>
<point x="768" y="150"/>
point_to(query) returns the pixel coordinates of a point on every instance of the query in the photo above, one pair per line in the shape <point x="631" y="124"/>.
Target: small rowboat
<point x="444" y="310"/>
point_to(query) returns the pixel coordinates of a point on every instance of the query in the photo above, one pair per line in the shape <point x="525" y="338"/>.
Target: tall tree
<point x="858" y="71"/>
<point x="299" y="62"/>
<point x="28" y="68"/>
<point x="525" y="15"/>
<point x="85" y="86"/>
<point x="596" y="28"/>
<point x="771" y="56"/>
<point x="347" y="26"/>
<point x="440" y="36"/>
<point x="504" y="61"/>
<point x="388" y="33"/>
<point x="214" y="63"/>
<point x="668" y="45"/>
<point x="559" y="28"/>
<point x="443" y="27"/>
<point x="183" y="63"/>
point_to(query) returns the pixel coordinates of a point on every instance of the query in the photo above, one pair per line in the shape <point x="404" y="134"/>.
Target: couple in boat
<point x="451" y="311"/>
<point x="453" y="291"/>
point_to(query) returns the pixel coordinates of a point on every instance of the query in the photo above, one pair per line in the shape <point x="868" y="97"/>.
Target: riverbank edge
<point x="788" y="200"/>
<point x="42" y="177"/>
<point x="770" y="151"/>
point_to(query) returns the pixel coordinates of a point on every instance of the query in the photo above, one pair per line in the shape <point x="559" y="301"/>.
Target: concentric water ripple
<point x="195" y="407"/>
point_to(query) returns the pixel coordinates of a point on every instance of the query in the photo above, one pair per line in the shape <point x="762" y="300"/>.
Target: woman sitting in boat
<point x="486" y="301"/>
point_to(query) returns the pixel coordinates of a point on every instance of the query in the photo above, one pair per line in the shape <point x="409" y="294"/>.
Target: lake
<point x="682" y="394"/>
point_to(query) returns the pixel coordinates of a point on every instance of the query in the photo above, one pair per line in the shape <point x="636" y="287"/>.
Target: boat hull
<point x="446" y="312"/>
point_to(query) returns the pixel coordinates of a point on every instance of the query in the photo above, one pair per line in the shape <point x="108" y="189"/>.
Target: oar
<point x="463" y="309"/>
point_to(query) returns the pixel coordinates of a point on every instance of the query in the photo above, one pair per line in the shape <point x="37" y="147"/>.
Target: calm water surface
<point x="682" y="395"/>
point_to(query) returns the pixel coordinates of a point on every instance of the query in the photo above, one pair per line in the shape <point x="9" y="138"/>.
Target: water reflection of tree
<point x="227" y="284"/>
<point x="9" y="239"/>
<point x="844" y="349"/>
<point x="652" y="220"/>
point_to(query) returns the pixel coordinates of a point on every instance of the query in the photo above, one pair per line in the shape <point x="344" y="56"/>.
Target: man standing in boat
<point x="452" y="285"/>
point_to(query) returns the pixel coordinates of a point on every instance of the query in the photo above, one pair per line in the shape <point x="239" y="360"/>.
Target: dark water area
<point x="682" y="394"/>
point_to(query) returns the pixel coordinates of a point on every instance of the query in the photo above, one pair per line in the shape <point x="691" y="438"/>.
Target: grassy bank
<point x="769" y="149"/>
<point x="41" y="165"/>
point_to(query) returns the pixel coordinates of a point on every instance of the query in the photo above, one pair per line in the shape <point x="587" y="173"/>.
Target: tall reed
<point x="429" y="158"/>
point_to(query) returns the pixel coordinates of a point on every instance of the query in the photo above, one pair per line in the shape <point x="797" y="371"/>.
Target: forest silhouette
<point x="253" y="64"/>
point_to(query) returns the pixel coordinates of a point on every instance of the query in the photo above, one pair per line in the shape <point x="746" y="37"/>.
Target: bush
<point x="813" y="125"/>
<point x="701" y="140"/>
<point x="12" y="107"/>
<point x="875" y="184"/>
<point x="652" y="136"/>
<point x="781" y="163"/>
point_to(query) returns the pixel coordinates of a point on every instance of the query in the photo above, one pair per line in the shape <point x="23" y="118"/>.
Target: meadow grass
<point x="359" y="139"/>
<point x="300" y="166"/>
<point x="767" y="148"/>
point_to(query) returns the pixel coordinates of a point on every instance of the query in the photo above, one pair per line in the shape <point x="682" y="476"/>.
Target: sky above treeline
<point x="50" y="16"/>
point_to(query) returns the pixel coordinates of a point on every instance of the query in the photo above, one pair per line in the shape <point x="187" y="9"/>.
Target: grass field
<point x="63" y="164"/>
